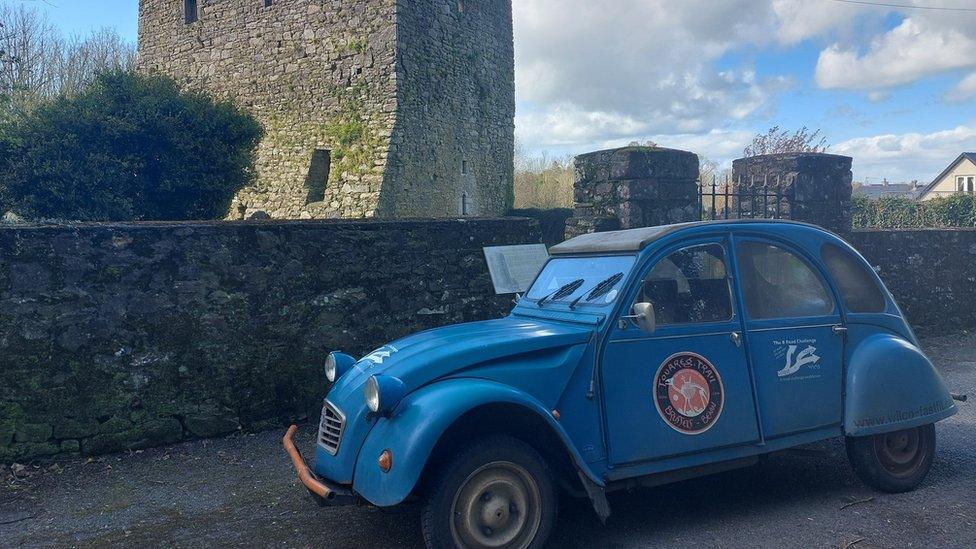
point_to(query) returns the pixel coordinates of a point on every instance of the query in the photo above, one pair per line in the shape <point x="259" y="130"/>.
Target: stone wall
<point x="817" y="187"/>
<point x="118" y="336"/>
<point x="455" y="126"/>
<point x="318" y="75"/>
<point x="929" y="271"/>
<point x="552" y="222"/>
<point x="414" y="101"/>
<point x="633" y="187"/>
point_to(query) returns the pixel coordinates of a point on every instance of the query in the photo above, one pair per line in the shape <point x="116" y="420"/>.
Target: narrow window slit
<point x="191" y="12"/>
<point x="318" y="175"/>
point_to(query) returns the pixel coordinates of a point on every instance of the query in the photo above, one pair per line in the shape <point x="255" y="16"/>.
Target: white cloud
<point x="965" y="90"/>
<point x="878" y="96"/>
<point x="907" y="156"/>
<point x="918" y="47"/>
<point x="802" y="19"/>
<point x="595" y="74"/>
<point x="598" y="71"/>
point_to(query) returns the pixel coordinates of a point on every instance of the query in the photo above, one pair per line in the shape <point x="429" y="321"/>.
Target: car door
<point x="794" y="332"/>
<point x="685" y="387"/>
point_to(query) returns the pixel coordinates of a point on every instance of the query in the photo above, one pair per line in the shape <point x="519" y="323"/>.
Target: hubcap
<point x="497" y="506"/>
<point x="901" y="453"/>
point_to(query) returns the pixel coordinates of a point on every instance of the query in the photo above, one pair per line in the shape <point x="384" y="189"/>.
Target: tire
<point x="893" y="462"/>
<point x="496" y="493"/>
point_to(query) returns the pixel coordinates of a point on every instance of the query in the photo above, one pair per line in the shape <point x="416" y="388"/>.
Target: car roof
<point x="635" y="240"/>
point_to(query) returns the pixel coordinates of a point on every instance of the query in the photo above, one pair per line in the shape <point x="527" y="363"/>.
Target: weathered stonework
<point x="633" y="187"/>
<point x="414" y="101"/>
<point x="120" y="336"/>
<point x="929" y="271"/>
<point x="816" y="187"/>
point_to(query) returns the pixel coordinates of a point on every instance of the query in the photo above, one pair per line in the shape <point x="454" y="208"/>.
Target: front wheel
<point x="893" y="462"/>
<point x="497" y="493"/>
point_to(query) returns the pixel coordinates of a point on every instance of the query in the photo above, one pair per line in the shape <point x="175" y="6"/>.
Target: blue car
<point x="636" y="358"/>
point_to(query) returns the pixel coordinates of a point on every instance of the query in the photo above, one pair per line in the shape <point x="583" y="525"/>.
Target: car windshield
<point x="560" y="280"/>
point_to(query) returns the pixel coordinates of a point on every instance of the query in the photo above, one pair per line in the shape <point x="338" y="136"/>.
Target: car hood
<point x="423" y="357"/>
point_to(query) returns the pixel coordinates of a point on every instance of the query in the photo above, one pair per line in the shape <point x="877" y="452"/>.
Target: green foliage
<point x="899" y="212"/>
<point x="358" y="45"/>
<point x="129" y="147"/>
<point x="354" y="144"/>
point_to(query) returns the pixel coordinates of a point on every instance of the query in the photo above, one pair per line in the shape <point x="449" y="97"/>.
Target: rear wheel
<point x="893" y="462"/>
<point x="497" y="493"/>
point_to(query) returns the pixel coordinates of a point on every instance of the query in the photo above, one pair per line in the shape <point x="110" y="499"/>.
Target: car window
<point x="778" y="284"/>
<point x="857" y="285"/>
<point x="690" y="285"/>
<point x="582" y="275"/>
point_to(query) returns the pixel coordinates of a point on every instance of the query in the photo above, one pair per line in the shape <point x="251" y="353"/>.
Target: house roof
<point x="891" y="189"/>
<point x="971" y="156"/>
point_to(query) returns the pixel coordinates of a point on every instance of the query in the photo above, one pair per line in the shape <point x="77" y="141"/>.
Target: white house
<point x="958" y="178"/>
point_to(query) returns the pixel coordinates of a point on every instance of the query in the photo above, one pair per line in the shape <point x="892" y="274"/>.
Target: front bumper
<point x="325" y="492"/>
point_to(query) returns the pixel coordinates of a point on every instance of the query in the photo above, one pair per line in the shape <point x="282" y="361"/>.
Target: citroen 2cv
<point x="636" y="358"/>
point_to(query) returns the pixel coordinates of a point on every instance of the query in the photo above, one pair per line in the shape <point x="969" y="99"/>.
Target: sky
<point x="894" y="87"/>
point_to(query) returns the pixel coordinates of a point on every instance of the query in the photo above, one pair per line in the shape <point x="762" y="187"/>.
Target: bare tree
<point x="542" y="181"/>
<point x="38" y="62"/>
<point x="777" y="140"/>
<point x="26" y="40"/>
<point x="707" y="170"/>
<point x="79" y="60"/>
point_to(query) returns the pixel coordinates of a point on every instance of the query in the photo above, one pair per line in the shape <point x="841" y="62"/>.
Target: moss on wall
<point x="122" y="336"/>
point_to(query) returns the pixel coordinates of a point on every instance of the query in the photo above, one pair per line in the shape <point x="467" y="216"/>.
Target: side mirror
<point x="643" y="317"/>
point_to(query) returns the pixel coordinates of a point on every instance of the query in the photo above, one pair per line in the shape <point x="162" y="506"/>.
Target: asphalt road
<point x="240" y="491"/>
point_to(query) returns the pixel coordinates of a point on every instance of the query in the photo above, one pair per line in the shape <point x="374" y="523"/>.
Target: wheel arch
<point x="890" y="386"/>
<point x="439" y="418"/>
<point x="511" y="419"/>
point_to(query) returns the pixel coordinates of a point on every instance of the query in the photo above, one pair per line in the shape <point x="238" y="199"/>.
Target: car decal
<point x="381" y="354"/>
<point x="797" y="354"/>
<point x="688" y="393"/>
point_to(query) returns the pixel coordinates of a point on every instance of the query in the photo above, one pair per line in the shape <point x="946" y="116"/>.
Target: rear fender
<point x="417" y="424"/>
<point x="891" y="385"/>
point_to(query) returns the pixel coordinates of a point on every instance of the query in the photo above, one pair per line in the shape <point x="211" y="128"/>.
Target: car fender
<point x="891" y="385"/>
<point x="417" y="424"/>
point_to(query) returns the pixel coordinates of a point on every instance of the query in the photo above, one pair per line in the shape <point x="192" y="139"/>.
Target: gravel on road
<point x="241" y="491"/>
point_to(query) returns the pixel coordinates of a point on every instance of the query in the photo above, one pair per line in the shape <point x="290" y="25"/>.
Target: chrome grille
<point x="330" y="428"/>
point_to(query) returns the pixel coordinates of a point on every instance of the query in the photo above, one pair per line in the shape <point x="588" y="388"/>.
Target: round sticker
<point x="688" y="393"/>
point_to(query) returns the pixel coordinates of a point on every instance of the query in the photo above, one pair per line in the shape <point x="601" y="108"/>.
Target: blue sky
<point x="893" y="87"/>
<point x="83" y="16"/>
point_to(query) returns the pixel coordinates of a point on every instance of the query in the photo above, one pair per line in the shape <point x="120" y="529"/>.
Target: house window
<point x="464" y="167"/>
<point x="969" y="185"/>
<point x="191" y="12"/>
<point x="464" y="203"/>
<point x="318" y="175"/>
<point x="960" y="181"/>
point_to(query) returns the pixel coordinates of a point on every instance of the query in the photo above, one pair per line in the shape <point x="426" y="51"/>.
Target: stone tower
<point x="370" y="107"/>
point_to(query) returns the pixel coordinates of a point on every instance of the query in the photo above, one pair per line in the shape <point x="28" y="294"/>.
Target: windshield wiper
<point x="601" y="288"/>
<point x="565" y="290"/>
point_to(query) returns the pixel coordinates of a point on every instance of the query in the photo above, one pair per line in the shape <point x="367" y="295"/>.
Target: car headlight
<point x="382" y="393"/>
<point x="372" y="394"/>
<point x="330" y="368"/>
<point x="337" y="364"/>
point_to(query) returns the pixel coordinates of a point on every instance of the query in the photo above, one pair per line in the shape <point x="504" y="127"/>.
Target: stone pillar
<point x="816" y="186"/>
<point x="633" y="187"/>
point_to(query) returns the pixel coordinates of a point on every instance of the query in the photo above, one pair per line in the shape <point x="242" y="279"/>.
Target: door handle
<point x="839" y="330"/>
<point x="736" y="338"/>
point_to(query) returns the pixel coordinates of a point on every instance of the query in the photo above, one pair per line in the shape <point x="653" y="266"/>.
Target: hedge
<point x="129" y="147"/>
<point x="899" y="212"/>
